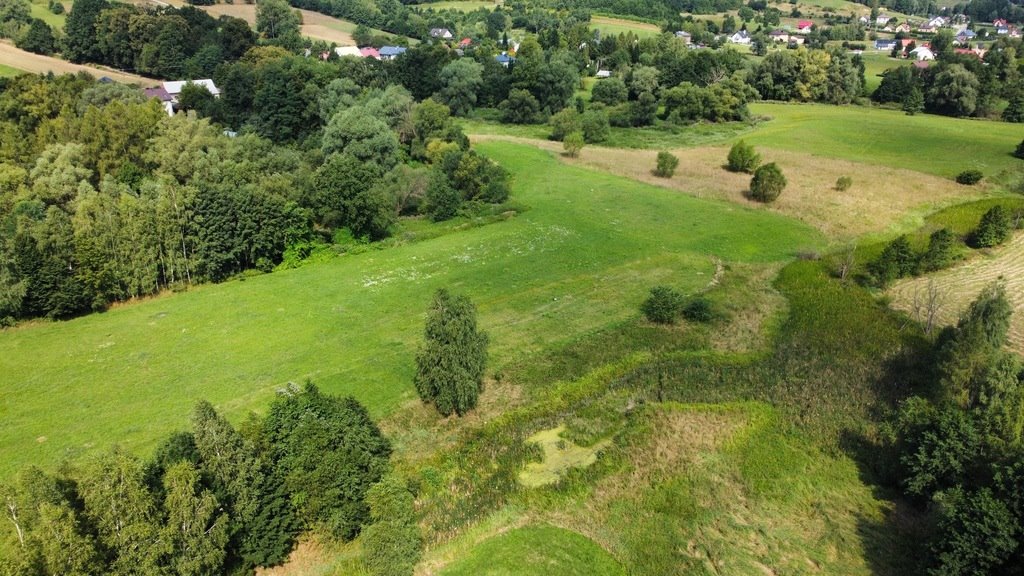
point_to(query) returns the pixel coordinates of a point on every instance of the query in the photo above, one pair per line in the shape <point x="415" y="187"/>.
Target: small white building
<point x="741" y="37"/>
<point x="922" y="53"/>
<point x="348" y="51"/>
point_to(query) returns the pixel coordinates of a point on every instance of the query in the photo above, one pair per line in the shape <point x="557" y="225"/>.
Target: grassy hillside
<point x="925" y="142"/>
<point x="581" y="258"/>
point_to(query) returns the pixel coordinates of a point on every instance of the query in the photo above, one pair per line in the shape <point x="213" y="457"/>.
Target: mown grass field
<point x="924" y="142"/>
<point x="582" y="257"/>
<point x="462" y="5"/>
<point x="609" y="25"/>
<point x="540" y="549"/>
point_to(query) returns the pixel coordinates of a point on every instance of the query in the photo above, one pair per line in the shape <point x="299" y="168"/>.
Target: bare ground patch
<point x="881" y="199"/>
<point x="959" y="285"/>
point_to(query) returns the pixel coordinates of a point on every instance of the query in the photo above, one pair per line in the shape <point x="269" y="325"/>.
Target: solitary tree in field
<point x="743" y="158"/>
<point x="1019" y="152"/>
<point x="573" y="143"/>
<point x="450" y="366"/>
<point x="667" y="164"/>
<point x="767" y="183"/>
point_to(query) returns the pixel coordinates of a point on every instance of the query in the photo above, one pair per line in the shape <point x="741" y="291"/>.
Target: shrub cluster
<point x="994" y="229"/>
<point x="898" y="259"/>
<point x="663" y="306"/>
<point x="969" y="177"/>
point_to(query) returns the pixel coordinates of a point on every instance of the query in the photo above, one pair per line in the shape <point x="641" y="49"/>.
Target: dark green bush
<point x="939" y="254"/>
<point x="994" y="228"/>
<point x="767" y="183"/>
<point x="843" y="183"/>
<point x="896" y="261"/>
<point x="969" y="177"/>
<point x="699" y="309"/>
<point x="1019" y="152"/>
<point x="663" y="305"/>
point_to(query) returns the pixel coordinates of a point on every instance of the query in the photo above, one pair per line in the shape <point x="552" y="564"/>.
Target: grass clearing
<point x="41" y="10"/>
<point x="13" y="57"/>
<point x="462" y="5"/>
<point x="876" y="63"/>
<point x="881" y="200"/>
<point x="537" y="549"/>
<point x="560" y="454"/>
<point x="927" y="143"/>
<point x="580" y="259"/>
<point x="9" y="72"/>
<point x="609" y="25"/>
<point x="960" y="285"/>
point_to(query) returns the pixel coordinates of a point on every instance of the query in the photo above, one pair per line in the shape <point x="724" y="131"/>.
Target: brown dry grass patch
<point x="960" y="285"/>
<point x="314" y="25"/>
<point x="40" y="64"/>
<point x="881" y="199"/>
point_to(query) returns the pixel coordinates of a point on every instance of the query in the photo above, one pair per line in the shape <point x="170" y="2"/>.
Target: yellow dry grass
<point x="39" y="64"/>
<point x="880" y="201"/>
<point x="560" y="455"/>
<point x="314" y="25"/>
<point x="959" y="285"/>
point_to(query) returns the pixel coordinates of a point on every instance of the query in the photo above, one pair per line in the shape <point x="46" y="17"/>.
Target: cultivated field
<point x="18" y="59"/>
<point x="959" y="285"/>
<point x="583" y="256"/>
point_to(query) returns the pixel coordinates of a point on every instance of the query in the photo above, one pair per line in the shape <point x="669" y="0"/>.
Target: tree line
<point x="216" y="499"/>
<point x="104" y="198"/>
<point x="960" y="84"/>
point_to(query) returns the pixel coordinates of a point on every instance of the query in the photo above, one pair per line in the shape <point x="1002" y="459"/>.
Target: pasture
<point x="582" y="257"/>
<point x="876" y="62"/>
<point x="538" y="549"/>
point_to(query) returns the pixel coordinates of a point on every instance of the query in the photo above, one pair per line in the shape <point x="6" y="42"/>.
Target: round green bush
<point x="767" y="183"/>
<point x="699" y="310"/>
<point x="1019" y="152"/>
<point x="742" y="158"/>
<point x="663" y="305"/>
<point x="666" y="166"/>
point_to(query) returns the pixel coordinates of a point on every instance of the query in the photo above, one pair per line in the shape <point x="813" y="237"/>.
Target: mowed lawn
<point x="582" y="257"/>
<point x="927" y="143"/>
<point x="534" y="550"/>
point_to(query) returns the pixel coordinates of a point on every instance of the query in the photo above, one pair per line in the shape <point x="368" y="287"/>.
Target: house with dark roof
<point x="884" y="44"/>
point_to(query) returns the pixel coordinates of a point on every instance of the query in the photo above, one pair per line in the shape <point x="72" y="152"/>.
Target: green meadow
<point x="536" y="550"/>
<point x="580" y="258"/>
<point x="927" y="143"/>
<point x="8" y="71"/>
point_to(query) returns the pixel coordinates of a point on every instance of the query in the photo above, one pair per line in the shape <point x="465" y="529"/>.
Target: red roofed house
<point x="370" y="52"/>
<point x="465" y="42"/>
<point x="804" y="26"/>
